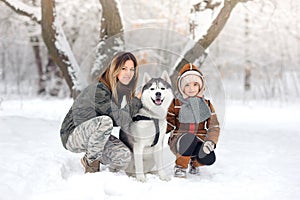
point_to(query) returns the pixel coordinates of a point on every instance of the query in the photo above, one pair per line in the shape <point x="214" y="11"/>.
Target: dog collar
<point x="140" y="117"/>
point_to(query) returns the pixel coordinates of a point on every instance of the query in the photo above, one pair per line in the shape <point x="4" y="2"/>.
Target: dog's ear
<point x="146" y="78"/>
<point x="165" y="76"/>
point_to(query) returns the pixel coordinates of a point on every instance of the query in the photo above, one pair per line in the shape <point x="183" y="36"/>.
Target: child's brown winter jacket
<point x="207" y="130"/>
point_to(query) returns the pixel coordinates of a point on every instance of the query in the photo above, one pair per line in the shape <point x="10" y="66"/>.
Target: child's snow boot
<point x="194" y="167"/>
<point x="194" y="170"/>
<point x="179" y="172"/>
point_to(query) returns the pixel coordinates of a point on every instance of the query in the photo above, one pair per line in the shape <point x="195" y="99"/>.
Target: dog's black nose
<point x="158" y="94"/>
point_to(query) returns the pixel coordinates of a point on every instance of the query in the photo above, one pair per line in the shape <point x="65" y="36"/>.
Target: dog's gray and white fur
<point x="148" y="128"/>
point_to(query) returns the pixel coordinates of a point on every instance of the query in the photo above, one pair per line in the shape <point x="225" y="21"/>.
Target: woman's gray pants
<point x="94" y="137"/>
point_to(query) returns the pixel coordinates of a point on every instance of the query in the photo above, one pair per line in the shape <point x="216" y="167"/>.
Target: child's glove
<point x="208" y="146"/>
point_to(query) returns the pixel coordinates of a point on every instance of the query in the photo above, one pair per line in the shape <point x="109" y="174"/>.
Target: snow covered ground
<point x="257" y="158"/>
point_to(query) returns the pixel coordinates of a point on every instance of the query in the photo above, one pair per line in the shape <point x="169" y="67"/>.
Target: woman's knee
<point x="104" y="121"/>
<point x="103" y="125"/>
<point x="116" y="153"/>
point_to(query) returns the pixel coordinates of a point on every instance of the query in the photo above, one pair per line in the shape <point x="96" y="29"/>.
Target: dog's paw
<point x="163" y="176"/>
<point x="141" y="178"/>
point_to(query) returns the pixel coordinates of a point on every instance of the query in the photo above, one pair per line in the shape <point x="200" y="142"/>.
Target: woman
<point x="111" y="102"/>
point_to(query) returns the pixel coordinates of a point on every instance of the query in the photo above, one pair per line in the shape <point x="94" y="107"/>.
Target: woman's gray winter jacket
<point x="94" y="101"/>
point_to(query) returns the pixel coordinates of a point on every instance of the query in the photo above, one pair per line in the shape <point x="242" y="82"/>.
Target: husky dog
<point x="148" y="128"/>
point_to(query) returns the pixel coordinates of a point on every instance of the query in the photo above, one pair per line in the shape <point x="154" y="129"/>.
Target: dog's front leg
<point x="138" y="162"/>
<point x="158" y="158"/>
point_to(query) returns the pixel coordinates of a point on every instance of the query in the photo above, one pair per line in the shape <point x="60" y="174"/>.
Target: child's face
<point x="191" y="89"/>
<point x="126" y="73"/>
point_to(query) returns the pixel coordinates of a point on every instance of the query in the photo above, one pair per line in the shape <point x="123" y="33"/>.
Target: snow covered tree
<point x="57" y="43"/>
<point x="60" y="47"/>
<point x="209" y="30"/>
<point x="111" y="25"/>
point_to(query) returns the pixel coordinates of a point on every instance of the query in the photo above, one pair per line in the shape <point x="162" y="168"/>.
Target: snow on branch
<point x="19" y="7"/>
<point x="218" y="13"/>
<point x="63" y="47"/>
<point x="59" y="48"/>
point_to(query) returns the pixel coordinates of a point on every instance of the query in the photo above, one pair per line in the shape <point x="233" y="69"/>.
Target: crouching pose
<point x="88" y="125"/>
<point x="193" y="124"/>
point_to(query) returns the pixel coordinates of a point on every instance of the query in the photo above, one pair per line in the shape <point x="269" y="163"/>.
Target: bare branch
<point x="198" y="50"/>
<point x="292" y="33"/>
<point x="19" y="7"/>
<point x="219" y="23"/>
<point x="209" y="4"/>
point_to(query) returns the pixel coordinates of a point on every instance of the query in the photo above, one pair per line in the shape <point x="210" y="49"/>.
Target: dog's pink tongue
<point x="158" y="101"/>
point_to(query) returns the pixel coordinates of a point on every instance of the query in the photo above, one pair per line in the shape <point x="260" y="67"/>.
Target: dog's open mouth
<point x="157" y="101"/>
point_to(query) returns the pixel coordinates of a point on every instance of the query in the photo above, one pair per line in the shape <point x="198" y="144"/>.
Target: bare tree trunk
<point x="111" y="37"/>
<point x="38" y="61"/>
<point x="49" y="34"/>
<point x="247" y="81"/>
<point x="35" y="41"/>
<point x="3" y="70"/>
<point x="53" y="77"/>
<point x="111" y="23"/>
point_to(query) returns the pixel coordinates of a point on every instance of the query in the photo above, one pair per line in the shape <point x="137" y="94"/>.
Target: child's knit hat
<point x="190" y="73"/>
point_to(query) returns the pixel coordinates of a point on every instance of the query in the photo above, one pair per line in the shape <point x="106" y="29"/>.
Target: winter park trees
<point x="70" y="30"/>
<point x="260" y="38"/>
<point x="111" y="24"/>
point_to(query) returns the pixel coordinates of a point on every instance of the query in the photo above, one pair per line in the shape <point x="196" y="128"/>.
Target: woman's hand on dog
<point x="139" y="95"/>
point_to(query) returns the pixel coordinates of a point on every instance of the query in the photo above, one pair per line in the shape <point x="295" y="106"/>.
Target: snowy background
<point x="257" y="158"/>
<point x="258" y="150"/>
<point x="262" y="32"/>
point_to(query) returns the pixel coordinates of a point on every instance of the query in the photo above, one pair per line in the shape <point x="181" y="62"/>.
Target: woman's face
<point x="126" y="73"/>
<point x="191" y="89"/>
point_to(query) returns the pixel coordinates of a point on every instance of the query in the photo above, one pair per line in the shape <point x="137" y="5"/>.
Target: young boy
<point x="193" y="124"/>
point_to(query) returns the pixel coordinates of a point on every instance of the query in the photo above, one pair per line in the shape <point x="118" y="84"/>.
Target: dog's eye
<point x="151" y="88"/>
<point x="162" y="88"/>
